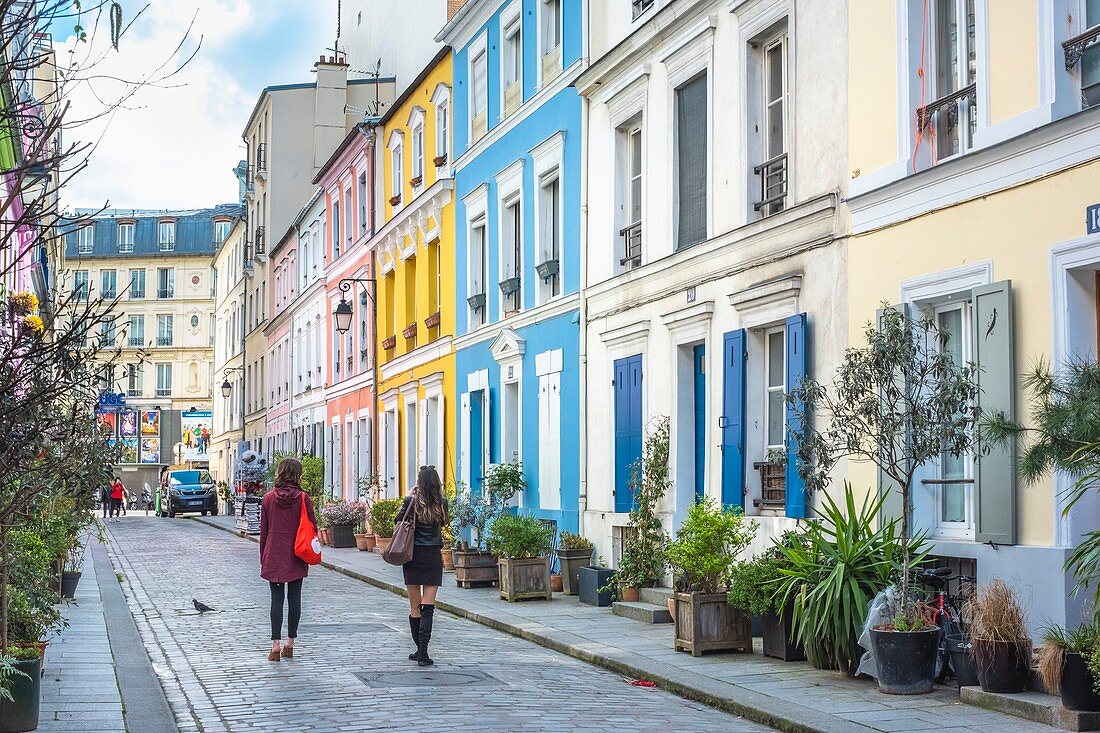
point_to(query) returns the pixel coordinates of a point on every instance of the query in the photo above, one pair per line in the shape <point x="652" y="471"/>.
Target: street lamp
<point x="227" y="388"/>
<point x="343" y="312"/>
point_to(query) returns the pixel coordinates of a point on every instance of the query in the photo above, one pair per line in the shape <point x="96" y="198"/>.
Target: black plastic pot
<point x="571" y="563"/>
<point x="21" y="713"/>
<point x="343" y="535"/>
<point x="958" y="646"/>
<point x="906" y="660"/>
<point x="69" y="581"/>
<point x="1077" y="685"/>
<point x="777" y="633"/>
<point x="1001" y="666"/>
<point x="591" y="581"/>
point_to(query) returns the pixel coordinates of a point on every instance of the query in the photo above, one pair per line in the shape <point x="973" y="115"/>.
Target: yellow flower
<point x="35" y="324"/>
<point x="24" y="302"/>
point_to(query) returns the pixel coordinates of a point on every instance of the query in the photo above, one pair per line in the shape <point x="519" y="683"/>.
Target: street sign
<point x="1092" y="219"/>
<point x="112" y="401"/>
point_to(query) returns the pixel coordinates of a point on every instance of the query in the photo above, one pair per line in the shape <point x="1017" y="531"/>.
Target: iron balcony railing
<point x="773" y="184"/>
<point x="164" y="391"/>
<point x="164" y="340"/>
<point x="632" y="245"/>
<point x="137" y="341"/>
<point x="259" y="241"/>
<point x="948" y="104"/>
<point x="165" y="293"/>
<point x="261" y="157"/>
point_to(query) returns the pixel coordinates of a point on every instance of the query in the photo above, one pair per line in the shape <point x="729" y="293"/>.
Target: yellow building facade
<point x="415" y="254"/>
<point x="972" y="185"/>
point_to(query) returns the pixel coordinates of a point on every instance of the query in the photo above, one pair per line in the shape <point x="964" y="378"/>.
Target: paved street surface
<point x="351" y="671"/>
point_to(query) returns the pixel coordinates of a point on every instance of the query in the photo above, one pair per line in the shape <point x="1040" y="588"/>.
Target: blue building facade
<point x="517" y="143"/>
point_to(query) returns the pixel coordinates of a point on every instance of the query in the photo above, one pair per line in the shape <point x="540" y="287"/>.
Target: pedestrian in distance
<point x="105" y="499"/>
<point x="424" y="573"/>
<point x="280" y="515"/>
<point x="118" y="491"/>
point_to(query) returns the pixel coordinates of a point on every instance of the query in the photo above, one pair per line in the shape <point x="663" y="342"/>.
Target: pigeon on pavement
<point x="201" y="607"/>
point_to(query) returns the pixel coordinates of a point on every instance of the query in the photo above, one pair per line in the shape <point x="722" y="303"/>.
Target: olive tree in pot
<point x="470" y="517"/>
<point x="899" y="401"/>
<point x="1000" y="645"/>
<point x="645" y="542"/>
<point x="703" y="557"/>
<point x="522" y="542"/>
<point x="1065" y="661"/>
<point x="383" y="516"/>
<point x="574" y="552"/>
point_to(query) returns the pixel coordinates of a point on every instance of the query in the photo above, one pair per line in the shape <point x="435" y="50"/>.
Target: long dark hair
<point x="289" y="473"/>
<point x="431" y="507"/>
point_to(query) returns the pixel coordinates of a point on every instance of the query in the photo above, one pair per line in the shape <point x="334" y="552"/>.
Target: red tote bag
<point x="306" y="545"/>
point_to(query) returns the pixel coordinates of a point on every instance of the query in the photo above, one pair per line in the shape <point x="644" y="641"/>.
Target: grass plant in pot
<point x="753" y="587"/>
<point x="20" y="690"/>
<point x="574" y="552"/>
<point x="1064" y="665"/>
<point x="1000" y="646"/>
<point x="383" y="516"/>
<point x="703" y="557"/>
<point x="522" y="543"/>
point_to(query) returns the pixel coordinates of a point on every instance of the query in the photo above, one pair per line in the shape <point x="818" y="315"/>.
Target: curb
<point x="755" y="707"/>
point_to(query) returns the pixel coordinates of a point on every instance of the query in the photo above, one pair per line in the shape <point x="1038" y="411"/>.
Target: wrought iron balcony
<point x="165" y="293"/>
<point x="773" y="184"/>
<point x="259" y="241"/>
<point x="137" y="341"/>
<point x="1074" y="48"/>
<point x="164" y="391"/>
<point x="261" y="158"/>
<point x="947" y="104"/>
<point x="632" y="245"/>
<point x="164" y="340"/>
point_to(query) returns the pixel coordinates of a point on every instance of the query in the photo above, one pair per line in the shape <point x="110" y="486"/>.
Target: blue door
<point x="797" y="355"/>
<point x="628" y="427"/>
<point x="700" y="373"/>
<point x="477" y="440"/>
<point x="732" y="421"/>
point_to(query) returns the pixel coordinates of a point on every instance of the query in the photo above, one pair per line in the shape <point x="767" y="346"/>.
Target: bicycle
<point x="945" y="613"/>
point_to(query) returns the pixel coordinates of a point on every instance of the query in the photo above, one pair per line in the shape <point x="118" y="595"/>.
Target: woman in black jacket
<point x="424" y="573"/>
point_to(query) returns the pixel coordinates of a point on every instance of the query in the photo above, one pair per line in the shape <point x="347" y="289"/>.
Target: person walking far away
<point x="280" y="515"/>
<point x="424" y="573"/>
<point x="118" y="490"/>
<point x="105" y="499"/>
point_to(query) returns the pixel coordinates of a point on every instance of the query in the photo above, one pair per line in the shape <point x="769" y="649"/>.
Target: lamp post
<point x="343" y="315"/>
<point x="227" y="388"/>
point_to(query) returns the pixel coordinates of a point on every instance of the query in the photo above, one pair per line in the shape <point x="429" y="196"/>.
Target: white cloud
<point x="174" y="146"/>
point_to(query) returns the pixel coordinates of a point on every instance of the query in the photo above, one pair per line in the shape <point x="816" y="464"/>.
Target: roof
<point x="369" y="122"/>
<point x="415" y="85"/>
<point x="194" y="231"/>
<point x="304" y="85"/>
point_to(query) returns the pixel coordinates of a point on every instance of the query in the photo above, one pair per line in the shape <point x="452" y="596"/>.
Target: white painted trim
<point x="477" y="380"/>
<point x="552" y="309"/>
<point x="509" y="191"/>
<point x="630" y="334"/>
<point x="418" y="357"/>
<point x="692" y="315"/>
<point x="548" y="362"/>
<point x="946" y="282"/>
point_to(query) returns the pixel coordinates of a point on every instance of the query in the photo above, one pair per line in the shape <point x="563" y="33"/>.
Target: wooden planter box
<point x="777" y="637"/>
<point x="706" y="623"/>
<point x="410" y="331"/>
<point x="525" y="578"/>
<point x="475" y="568"/>
<point x="342" y="535"/>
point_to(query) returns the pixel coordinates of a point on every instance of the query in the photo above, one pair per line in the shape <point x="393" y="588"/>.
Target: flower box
<point x="439" y="160"/>
<point x="389" y="342"/>
<point x="416" y="181"/>
<point x="474" y="566"/>
<point x="409" y="331"/>
<point x="432" y="321"/>
<point x="395" y="200"/>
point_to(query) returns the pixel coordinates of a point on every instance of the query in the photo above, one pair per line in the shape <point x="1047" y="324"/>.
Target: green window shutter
<point x="892" y="505"/>
<point x="995" y="473"/>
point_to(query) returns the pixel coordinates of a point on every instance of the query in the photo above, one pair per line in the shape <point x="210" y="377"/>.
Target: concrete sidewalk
<point x="791" y="696"/>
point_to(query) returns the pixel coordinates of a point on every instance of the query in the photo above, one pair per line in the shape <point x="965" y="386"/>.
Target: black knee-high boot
<point x="414" y="627"/>
<point x="427" y="614"/>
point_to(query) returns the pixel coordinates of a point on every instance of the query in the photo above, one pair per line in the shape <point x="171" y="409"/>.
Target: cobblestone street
<point x="350" y="672"/>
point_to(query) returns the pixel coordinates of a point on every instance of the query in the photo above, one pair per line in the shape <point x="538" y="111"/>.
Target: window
<point x="479" y="95"/>
<point x="336" y="226"/>
<point x="630" y="221"/>
<point x="80" y="284"/>
<point x="772" y="172"/>
<point x="164" y="329"/>
<point x="775" y="408"/>
<point x="549" y="236"/>
<point x="135" y="380"/>
<point x="443" y="129"/>
<point x="137" y="284"/>
<point x="638" y="7"/>
<point x="955" y="510"/>
<point x="108" y="280"/>
<point x="349" y="224"/>
<point x="691" y="162"/>
<point x="512" y="63"/>
<point x="954" y="59"/>
<point x="435" y="279"/>
<point x="126" y="237"/>
<point x="511" y="257"/>
<point x="362" y="191"/>
<point x="166" y="282"/>
<point x="397" y="173"/>
<point x="137" y="331"/>
<point x="410" y="300"/>
<point x="410" y="443"/>
<point x="1090" y="59"/>
<point x="164" y="380"/>
<point x="107" y="330"/>
<point x="221" y="231"/>
<point x="85" y="239"/>
<point x="479" y="275"/>
<point x="418" y="155"/>
<point x="550" y="37"/>
<point x="167" y="236"/>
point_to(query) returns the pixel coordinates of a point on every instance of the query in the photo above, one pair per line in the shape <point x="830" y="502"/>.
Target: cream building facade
<point x="229" y="291"/>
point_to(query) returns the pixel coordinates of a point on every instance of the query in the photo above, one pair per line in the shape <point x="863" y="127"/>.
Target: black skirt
<point x="426" y="567"/>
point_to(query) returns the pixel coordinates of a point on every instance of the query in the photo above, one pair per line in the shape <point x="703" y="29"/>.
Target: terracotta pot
<point x="628" y="594"/>
<point x="361" y="541"/>
<point x="323" y="536"/>
<point x="555" y="583"/>
<point x="671" y="603"/>
<point x="372" y="541"/>
<point x="448" y="558"/>
<point x="383" y="543"/>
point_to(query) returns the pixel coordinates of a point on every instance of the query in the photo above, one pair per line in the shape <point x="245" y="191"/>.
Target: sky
<point x="174" y="144"/>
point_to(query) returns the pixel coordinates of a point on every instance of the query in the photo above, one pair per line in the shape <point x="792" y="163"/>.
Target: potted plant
<point x="342" y="518"/>
<point x="522" y="542"/>
<point x="703" y="557"/>
<point x="596" y="582"/>
<point x="74" y="563"/>
<point x="469" y="518"/>
<point x="20" y="690"/>
<point x="753" y="587"/>
<point x="574" y="552"/>
<point x="645" y="542"/>
<point x="1000" y="645"/>
<point x="899" y="402"/>
<point x="1064" y="664"/>
<point x="383" y="517"/>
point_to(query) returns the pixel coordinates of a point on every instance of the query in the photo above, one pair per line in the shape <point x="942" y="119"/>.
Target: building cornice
<point x="418" y="357"/>
<point x="552" y="309"/>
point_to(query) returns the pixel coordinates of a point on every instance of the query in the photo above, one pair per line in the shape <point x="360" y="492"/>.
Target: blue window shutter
<point x="733" y="418"/>
<point x="628" y="427"/>
<point x="797" y="362"/>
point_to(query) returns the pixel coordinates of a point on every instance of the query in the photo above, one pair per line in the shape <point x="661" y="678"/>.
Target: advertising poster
<point x="129" y="450"/>
<point x="112" y="448"/>
<point x="150" y="450"/>
<point x="127" y="424"/>
<point x="197" y="434"/>
<point x="150" y="423"/>
<point x="108" y="422"/>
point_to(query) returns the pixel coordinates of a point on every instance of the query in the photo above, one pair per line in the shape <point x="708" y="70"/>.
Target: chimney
<point x="328" y="112"/>
<point x="453" y="7"/>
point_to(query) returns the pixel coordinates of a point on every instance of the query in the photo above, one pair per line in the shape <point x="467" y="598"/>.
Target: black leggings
<point x="294" y="613"/>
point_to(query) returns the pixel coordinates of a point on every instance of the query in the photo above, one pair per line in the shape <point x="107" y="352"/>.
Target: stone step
<point x="656" y="596"/>
<point x="649" y="613"/>
<point x="1036" y="706"/>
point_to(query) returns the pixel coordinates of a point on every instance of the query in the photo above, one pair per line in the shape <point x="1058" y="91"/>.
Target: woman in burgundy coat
<point x="280" y="514"/>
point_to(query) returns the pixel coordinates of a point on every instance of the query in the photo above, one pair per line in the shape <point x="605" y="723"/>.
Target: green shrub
<point x="707" y="544"/>
<point x="570" y="541"/>
<point x="383" y="516"/>
<point x="520" y="535"/>
<point x="753" y="585"/>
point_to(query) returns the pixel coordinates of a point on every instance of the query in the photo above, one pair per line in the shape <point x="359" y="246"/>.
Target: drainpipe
<point x="371" y="136"/>
<point x="582" y="315"/>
